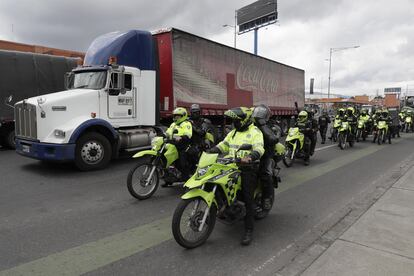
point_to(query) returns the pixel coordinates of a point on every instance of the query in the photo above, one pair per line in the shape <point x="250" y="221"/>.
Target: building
<point x="15" y="46"/>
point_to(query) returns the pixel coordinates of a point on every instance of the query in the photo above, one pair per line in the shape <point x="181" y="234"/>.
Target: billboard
<point x="257" y="14"/>
<point x="392" y="90"/>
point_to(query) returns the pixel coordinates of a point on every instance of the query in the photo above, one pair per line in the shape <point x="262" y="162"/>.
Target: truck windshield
<point x="89" y="80"/>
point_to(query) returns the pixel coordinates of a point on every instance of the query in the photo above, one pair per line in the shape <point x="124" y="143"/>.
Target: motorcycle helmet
<point x="261" y="114"/>
<point x="180" y="115"/>
<point x="303" y="116"/>
<point x="364" y="112"/>
<point x="240" y="117"/>
<point x="341" y="112"/>
<point x="195" y="111"/>
<point x="350" y="111"/>
<point x="385" y="112"/>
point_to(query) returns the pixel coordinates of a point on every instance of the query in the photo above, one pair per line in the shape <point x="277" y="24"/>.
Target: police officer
<point x="203" y="130"/>
<point x="180" y="133"/>
<point x="323" y="123"/>
<point x="305" y="126"/>
<point x="244" y="132"/>
<point x="261" y="115"/>
<point x="314" y="127"/>
<point x="352" y="120"/>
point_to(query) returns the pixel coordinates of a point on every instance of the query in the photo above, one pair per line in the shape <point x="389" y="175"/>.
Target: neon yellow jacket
<point x="252" y="136"/>
<point x="182" y="129"/>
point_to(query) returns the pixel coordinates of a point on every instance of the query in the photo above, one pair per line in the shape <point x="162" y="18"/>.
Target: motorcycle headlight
<point x="201" y="172"/>
<point x="156" y="142"/>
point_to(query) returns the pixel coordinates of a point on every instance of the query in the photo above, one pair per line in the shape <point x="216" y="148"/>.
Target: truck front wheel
<point x="92" y="152"/>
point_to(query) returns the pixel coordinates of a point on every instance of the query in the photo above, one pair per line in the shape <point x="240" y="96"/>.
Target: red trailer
<point x="197" y="70"/>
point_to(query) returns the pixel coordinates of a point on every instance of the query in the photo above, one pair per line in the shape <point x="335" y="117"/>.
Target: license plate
<point x="26" y="148"/>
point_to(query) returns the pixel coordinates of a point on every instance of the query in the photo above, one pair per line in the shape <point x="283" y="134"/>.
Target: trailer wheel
<point x="92" y="152"/>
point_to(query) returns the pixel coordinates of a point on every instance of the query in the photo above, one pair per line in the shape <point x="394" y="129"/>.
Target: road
<point x="55" y="220"/>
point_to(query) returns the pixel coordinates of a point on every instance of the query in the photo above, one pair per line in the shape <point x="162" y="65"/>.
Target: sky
<point x="305" y="33"/>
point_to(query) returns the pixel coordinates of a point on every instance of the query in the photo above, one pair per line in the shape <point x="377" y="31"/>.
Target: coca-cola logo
<point x="255" y="78"/>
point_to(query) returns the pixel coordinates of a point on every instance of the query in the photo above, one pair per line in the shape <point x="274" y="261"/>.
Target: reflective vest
<point x="252" y="136"/>
<point x="182" y="129"/>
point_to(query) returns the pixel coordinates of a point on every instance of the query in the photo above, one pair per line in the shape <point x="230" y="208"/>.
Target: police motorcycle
<point x="344" y="135"/>
<point x="383" y="132"/>
<point x="408" y="122"/>
<point x="336" y="125"/>
<point x="362" y="129"/>
<point x="214" y="193"/>
<point x="160" y="162"/>
<point x="361" y="132"/>
<point x="294" y="144"/>
<point x="153" y="165"/>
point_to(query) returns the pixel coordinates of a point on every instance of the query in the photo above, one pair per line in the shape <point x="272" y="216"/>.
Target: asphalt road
<point x="55" y="220"/>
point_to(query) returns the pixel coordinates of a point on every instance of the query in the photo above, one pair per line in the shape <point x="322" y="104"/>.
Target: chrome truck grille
<point x="25" y="120"/>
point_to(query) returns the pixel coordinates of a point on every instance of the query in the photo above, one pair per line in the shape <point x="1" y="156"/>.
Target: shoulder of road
<point x="380" y="242"/>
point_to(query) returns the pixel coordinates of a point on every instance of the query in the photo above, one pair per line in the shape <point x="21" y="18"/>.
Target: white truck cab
<point x="106" y="109"/>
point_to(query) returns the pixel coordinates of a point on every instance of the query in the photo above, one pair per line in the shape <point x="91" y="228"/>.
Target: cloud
<point x="307" y="30"/>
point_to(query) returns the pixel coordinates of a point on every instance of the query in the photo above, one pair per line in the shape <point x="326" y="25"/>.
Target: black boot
<point x="247" y="237"/>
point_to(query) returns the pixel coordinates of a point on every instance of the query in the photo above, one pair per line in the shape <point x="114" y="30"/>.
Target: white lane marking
<point x="326" y="147"/>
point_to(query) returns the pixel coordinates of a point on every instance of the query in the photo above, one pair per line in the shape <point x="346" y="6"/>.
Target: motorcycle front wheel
<point x="341" y="141"/>
<point x="287" y="159"/>
<point x="143" y="180"/>
<point x="187" y="220"/>
<point x="334" y="136"/>
<point x="380" y="137"/>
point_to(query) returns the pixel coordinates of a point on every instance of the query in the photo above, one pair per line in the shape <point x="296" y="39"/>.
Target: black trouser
<point x="322" y="131"/>
<point x="307" y="147"/>
<point x="313" y="138"/>
<point x="248" y="181"/>
<point x="266" y="175"/>
<point x="184" y="164"/>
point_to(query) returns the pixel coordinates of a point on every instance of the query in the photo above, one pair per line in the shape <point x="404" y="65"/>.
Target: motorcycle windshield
<point x="381" y="124"/>
<point x="207" y="159"/>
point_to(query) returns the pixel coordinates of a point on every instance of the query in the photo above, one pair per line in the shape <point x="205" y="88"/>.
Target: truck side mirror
<point x="116" y="85"/>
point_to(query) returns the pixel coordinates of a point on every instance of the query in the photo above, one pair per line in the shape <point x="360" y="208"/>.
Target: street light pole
<point x="331" y="50"/>
<point x="329" y="77"/>
<point x="235" y="27"/>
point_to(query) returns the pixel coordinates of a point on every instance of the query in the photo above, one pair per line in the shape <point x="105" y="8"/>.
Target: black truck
<point x="24" y="75"/>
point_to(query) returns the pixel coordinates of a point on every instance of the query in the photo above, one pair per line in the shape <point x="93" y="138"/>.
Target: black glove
<point x="213" y="150"/>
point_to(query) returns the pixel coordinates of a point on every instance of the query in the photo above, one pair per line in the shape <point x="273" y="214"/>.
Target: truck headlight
<point x="59" y="133"/>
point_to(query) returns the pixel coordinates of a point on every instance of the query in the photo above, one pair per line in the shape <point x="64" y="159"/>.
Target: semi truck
<point x="25" y="75"/>
<point x="130" y="83"/>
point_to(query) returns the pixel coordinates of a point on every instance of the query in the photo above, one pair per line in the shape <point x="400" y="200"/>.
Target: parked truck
<point x="26" y="75"/>
<point x="130" y="83"/>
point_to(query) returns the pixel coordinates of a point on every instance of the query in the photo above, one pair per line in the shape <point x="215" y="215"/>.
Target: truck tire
<point x="92" y="152"/>
<point x="7" y="140"/>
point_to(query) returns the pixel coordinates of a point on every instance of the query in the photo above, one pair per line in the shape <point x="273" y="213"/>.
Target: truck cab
<point x="106" y="109"/>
